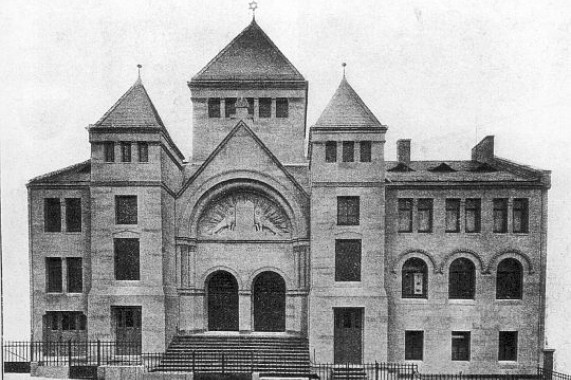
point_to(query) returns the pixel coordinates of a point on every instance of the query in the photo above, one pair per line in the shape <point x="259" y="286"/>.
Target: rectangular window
<point x="507" y="346"/>
<point x="52" y="215"/>
<point x="126" y="259"/>
<point x="109" y="151"/>
<point x="331" y="151"/>
<point x="413" y="345"/>
<point x="460" y="345"/>
<point x="405" y="215"/>
<point x="143" y="152"/>
<point x="74" y="275"/>
<point x="214" y="108"/>
<point x="73" y="214"/>
<point x="282" y="107"/>
<point x="348" y="211"/>
<point x="230" y="107"/>
<point x="424" y="215"/>
<point x="365" y="153"/>
<point x="347" y="260"/>
<point x="250" y="106"/>
<point x="54" y="276"/>
<point x="521" y="215"/>
<point x="126" y="209"/>
<point x="453" y="215"/>
<point x="125" y="152"/>
<point x="348" y="151"/>
<point x="473" y="214"/>
<point x="265" y="107"/>
<point x="501" y="215"/>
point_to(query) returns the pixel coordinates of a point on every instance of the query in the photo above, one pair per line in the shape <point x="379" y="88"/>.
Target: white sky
<point x="444" y="73"/>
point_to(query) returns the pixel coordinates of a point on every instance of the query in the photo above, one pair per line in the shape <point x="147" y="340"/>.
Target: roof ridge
<point x="60" y="171"/>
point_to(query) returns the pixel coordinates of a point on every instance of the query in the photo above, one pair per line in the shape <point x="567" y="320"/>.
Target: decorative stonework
<point x="244" y="216"/>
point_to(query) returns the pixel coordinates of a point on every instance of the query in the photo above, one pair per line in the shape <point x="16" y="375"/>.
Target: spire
<point x="347" y="109"/>
<point x="139" y="82"/>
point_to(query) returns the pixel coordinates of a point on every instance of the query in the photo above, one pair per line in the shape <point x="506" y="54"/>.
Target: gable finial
<point x="344" y="65"/>
<point x="253" y="5"/>
<point x="139" y="66"/>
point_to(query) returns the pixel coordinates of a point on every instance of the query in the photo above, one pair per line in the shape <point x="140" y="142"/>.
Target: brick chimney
<point x="403" y="151"/>
<point x="484" y="151"/>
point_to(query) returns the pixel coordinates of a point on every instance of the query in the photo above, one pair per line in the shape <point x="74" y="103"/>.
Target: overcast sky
<point x="443" y="73"/>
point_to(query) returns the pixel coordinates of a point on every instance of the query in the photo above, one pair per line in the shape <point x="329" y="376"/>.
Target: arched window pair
<point x="462" y="279"/>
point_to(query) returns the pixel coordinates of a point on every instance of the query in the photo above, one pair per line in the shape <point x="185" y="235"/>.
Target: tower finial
<point x="253" y="5"/>
<point x="344" y="65"/>
<point x="139" y="66"/>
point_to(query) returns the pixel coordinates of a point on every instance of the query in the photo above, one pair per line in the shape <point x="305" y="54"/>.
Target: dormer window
<point x="214" y="108"/>
<point x="265" y="107"/>
<point x="230" y="107"/>
<point x="348" y="151"/>
<point x="282" y="108"/>
<point x="125" y="152"/>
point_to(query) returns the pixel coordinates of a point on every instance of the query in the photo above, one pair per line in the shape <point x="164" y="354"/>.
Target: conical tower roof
<point x="133" y="109"/>
<point x="249" y="56"/>
<point x="347" y="109"/>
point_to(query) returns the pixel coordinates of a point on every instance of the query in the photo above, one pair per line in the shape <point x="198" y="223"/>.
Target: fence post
<point x="193" y="362"/>
<point x="223" y="362"/>
<point x="347" y="371"/>
<point x="69" y="352"/>
<point x="98" y="352"/>
<point x="376" y="370"/>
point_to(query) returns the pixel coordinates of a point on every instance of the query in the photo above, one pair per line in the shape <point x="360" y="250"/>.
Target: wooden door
<point x="348" y="335"/>
<point x="128" y="329"/>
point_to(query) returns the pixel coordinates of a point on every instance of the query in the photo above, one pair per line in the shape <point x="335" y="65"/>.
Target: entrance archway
<point x="223" y="309"/>
<point x="269" y="302"/>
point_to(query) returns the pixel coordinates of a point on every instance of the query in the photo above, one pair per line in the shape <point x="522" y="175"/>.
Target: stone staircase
<point x="269" y="355"/>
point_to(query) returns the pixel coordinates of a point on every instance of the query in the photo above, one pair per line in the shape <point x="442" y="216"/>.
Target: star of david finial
<point x="344" y="65"/>
<point x="253" y="5"/>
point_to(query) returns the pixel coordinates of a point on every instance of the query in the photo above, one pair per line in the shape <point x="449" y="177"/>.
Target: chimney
<point x="242" y="108"/>
<point x="403" y="151"/>
<point x="484" y="151"/>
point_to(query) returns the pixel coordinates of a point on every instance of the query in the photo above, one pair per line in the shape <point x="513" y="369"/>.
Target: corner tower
<point x="253" y="68"/>
<point x="348" y="303"/>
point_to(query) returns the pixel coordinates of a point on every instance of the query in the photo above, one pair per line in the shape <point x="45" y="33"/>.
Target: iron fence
<point x="376" y="371"/>
<point x="545" y="374"/>
<point x="206" y="361"/>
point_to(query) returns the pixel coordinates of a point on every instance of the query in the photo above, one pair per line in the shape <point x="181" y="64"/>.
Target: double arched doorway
<point x="268" y="302"/>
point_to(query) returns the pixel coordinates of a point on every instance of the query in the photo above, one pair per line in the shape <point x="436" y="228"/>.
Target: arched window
<point x="414" y="278"/>
<point x="509" y="279"/>
<point x="462" y="279"/>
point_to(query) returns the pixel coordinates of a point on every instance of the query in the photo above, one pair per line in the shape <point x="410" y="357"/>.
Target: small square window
<point x="365" y="153"/>
<point x="507" y="346"/>
<point x="126" y="209"/>
<point x="405" y="215"/>
<point x="125" y="152"/>
<point x="282" y="107"/>
<point x="265" y="107"/>
<point x="348" y="211"/>
<point x="214" y="108"/>
<point x="521" y="215"/>
<point x="453" y="215"/>
<point x="331" y="151"/>
<point x="348" y="151"/>
<point x="460" y="345"/>
<point x="413" y="345"/>
<point x="109" y="151"/>
<point x="143" y="152"/>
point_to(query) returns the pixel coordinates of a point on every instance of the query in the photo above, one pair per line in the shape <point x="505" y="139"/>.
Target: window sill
<point x="347" y="284"/>
<point x="457" y="301"/>
<point x="509" y="301"/>
<point x="417" y="301"/>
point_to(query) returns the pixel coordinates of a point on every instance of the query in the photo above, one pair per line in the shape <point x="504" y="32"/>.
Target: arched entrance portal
<point x="222" y="302"/>
<point x="269" y="302"/>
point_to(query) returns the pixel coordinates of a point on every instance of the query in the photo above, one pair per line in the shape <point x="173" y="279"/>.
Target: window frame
<point x="424" y="204"/>
<point x="73" y="214"/>
<point x="347" y="258"/>
<point x="281" y="105"/>
<point x="127" y="264"/>
<point x="348" y="151"/>
<point x="126" y="152"/>
<point x="365" y="151"/>
<point x="109" y="151"/>
<point x="411" y="267"/>
<point x="452" y="205"/>
<point x="414" y="351"/>
<point x="331" y="151"/>
<point x="405" y="205"/>
<point x="500" y="209"/>
<point x="506" y="353"/>
<point x="457" y="286"/>
<point x="520" y="205"/>
<point x="214" y="108"/>
<point x="473" y="205"/>
<point x="143" y="150"/>
<point x="74" y="280"/>
<point x="263" y="112"/>
<point x="52" y="215"/>
<point x="54" y="275"/>
<point x="509" y="283"/>
<point x="457" y="354"/>
<point x="348" y="211"/>
<point x="122" y="216"/>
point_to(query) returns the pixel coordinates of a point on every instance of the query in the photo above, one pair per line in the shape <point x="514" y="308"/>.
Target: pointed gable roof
<point x="249" y="56"/>
<point x="347" y="109"/>
<point x="133" y="109"/>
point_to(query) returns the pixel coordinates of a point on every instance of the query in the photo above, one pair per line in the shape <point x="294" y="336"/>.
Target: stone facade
<point x="249" y="207"/>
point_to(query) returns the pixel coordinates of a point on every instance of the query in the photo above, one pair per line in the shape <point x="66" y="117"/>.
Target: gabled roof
<point x="347" y="109"/>
<point x="249" y="56"/>
<point x="75" y="173"/>
<point x="133" y="109"/>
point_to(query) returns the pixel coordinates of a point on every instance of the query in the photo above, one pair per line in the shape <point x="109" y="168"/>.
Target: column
<point x="256" y="110"/>
<point x="222" y="108"/>
<point x="292" y="311"/>
<point x="245" y="307"/>
<point x="273" y="114"/>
